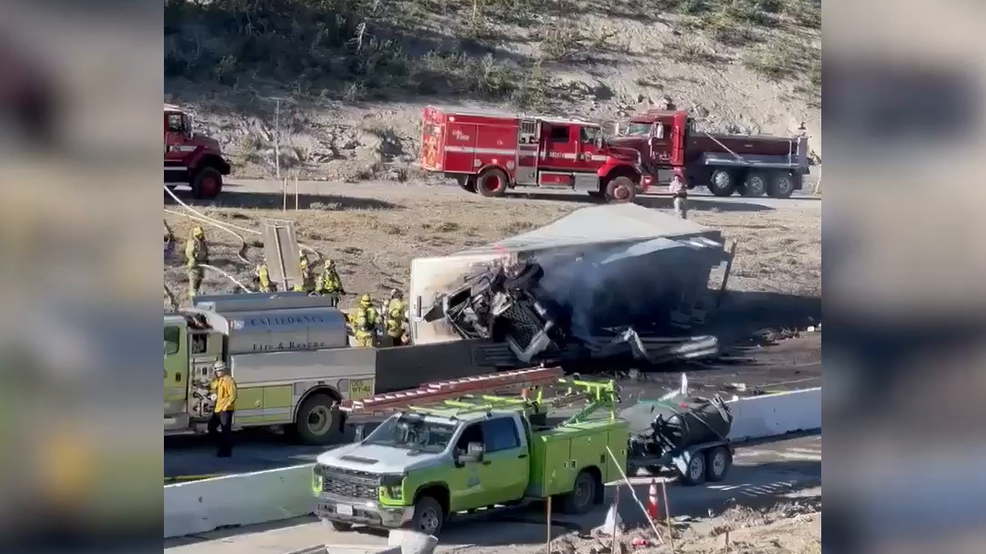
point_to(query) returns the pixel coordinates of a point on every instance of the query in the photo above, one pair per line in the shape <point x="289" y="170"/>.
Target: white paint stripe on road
<point x="805" y="450"/>
<point x="800" y="456"/>
<point x="747" y="453"/>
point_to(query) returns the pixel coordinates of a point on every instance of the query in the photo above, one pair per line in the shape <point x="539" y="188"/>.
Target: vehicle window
<point x="172" y="340"/>
<point x="473" y="433"/>
<point x="558" y="134"/>
<point x="589" y="135"/>
<point x="198" y="344"/>
<point x="637" y="130"/>
<point x="412" y="432"/>
<point x="501" y="434"/>
<point x="175" y="123"/>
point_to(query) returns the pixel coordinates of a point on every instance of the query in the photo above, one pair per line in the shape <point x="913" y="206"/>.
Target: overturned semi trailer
<point x="600" y="283"/>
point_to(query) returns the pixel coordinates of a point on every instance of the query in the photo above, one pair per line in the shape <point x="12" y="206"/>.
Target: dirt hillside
<point x="351" y="76"/>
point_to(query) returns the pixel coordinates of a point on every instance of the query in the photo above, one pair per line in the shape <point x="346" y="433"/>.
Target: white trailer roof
<point x="599" y="225"/>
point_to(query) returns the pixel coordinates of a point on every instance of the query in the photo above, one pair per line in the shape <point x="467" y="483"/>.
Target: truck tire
<point x="580" y="499"/>
<point x="341" y="526"/>
<point x="429" y="517"/>
<point x="207" y="183"/>
<point x="492" y="183"/>
<point x="621" y="190"/>
<point x="317" y="422"/>
<point x="467" y="183"/>
<point x="755" y="184"/>
<point x="722" y="182"/>
<point x="782" y="185"/>
<point x="695" y="473"/>
<point x="718" y="460"/>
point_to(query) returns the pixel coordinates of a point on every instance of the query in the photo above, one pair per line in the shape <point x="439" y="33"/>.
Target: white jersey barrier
<point x="278" y="494"/>
<point x="770" y="415"/>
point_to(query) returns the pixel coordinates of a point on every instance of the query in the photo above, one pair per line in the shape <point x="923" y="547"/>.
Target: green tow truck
<point x="448" y="449"/>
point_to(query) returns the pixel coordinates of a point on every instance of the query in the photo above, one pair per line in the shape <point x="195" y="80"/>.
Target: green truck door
<point x="506" y="464"/>
<point x="467" y="486"/>
<point x="175" y="365"/>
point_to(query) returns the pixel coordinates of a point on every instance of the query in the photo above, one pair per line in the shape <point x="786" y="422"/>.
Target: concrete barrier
<point x="246" y="499"/>
<point x="770" y="415"/>
<point x="278" y="494"/>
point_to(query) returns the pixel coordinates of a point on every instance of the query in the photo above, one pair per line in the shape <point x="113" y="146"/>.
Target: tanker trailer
<point x="288" y="352"/>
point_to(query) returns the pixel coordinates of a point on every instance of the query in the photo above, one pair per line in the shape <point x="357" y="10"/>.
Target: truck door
<point x="467" y="487"/>
<point x="660" y="143"/>
<point x="175" y="369"/>
<point x="558" y="151"/>
<point x="506" y="463"/>
<point x="174" y="139"/>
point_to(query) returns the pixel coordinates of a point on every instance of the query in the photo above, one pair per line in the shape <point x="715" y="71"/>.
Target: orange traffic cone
<point x="653" y="510"/>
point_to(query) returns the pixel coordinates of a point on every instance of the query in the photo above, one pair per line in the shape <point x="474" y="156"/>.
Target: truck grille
<point x="349" y="483"/>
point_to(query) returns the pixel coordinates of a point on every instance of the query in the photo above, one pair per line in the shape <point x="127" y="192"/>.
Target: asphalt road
<point x="789" y="365"/>
<point x="762" y="475"/>
<point x="248" y="192"/>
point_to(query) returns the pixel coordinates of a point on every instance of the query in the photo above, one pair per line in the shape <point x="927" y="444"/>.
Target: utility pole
<point x="277" y="136"/>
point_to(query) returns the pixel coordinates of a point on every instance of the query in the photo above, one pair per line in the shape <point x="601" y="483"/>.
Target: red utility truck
<point x="191" y="158"/>
<point x="753" y="165"/>
<point x="488" y="153"/>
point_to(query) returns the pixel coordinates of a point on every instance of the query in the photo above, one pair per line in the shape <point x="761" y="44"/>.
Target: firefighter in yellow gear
<point x="395" y="320"/>
<point x="196" y="253"/>
<point x="307" y="279"/>
<point x="365" y="322"/>
<point x="263" y="279"/>
<point x="329" y="283"/>
<point x="224" y="389"/>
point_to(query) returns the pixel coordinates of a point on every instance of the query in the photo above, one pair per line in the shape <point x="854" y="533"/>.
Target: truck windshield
<point x="636" y="130"/>
<point x="412" y="432"/>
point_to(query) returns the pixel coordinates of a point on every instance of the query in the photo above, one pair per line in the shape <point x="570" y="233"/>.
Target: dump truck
<point x="490" y="152"/>
<point x="752" y="165"/>
<point x="289" y="354"/>
<point x="448" y="447"/>
<point x="191" y="158"/>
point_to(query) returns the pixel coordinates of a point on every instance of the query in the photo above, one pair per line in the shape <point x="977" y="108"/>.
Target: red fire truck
<point x="750" y="164"/>
<point x="488" y="153"/>
<point x="191" y="158"/>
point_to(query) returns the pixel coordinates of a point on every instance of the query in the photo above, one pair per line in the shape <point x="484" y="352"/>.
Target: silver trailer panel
<point x="273" y="330"/>
<point x="224" y="303"/>
<point x="328" y="365"/>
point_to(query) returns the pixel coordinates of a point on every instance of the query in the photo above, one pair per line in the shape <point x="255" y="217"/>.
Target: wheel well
<point x="438" y="491"/>
<point x="598" y="477"/>
<point x="321" y="389"/>
<point x="621" y="171"/>
<point x="490" y="167"/>
<point x="209" y="160"/>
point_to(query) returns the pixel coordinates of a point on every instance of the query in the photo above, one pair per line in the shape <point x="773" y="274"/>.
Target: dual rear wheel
<point x="776" y="184"/>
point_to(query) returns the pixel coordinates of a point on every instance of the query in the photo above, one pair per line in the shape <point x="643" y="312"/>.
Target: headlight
<point x="392" y="485"/>
<point x="317" y="483"/>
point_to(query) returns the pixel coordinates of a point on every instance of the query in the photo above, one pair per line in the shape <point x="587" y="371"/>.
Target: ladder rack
<point x="439" y="391"/>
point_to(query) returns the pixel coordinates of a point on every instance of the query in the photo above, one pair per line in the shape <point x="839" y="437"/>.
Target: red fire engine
<point x="487" y="153"/>
<point x="753" y="165"/>
<point x="190" y="157"/>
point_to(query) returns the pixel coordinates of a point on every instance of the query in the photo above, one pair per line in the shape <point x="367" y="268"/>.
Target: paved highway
<point x="762" y="475"/>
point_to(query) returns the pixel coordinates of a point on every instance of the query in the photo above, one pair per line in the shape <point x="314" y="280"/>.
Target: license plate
<point x="360" y="388"/>
<point x="344" y="510"/>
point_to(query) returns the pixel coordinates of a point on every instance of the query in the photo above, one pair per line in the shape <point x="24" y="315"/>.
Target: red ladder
<point x="438" y="391"/>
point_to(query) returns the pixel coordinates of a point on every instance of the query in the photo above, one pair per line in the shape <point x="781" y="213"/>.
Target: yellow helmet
<point x="197" y="232"/>
<point x="365" y="300"/>
<point x="329" y="264"/>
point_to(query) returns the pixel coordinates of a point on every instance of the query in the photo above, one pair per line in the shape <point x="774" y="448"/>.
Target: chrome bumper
<point x="364" y="512"/>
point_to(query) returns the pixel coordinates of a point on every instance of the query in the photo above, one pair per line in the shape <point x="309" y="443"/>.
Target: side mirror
<point x="599" y="142"/>
<point x="659" y="131"/>
<point x="474" y="453"/>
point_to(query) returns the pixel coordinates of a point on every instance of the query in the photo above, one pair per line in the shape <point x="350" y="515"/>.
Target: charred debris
<point x="642" y="302"/>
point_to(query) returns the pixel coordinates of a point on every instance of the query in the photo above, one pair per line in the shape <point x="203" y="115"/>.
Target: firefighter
<point x="396" y="319"/>
<point x="262" y="275"/>
<point x="307" y="280"/>
<point x="365" y="322"/>
<point x="329" y="284"/>
<point x="196" y="253"/>
<point x="680" y="194"/>
<point x="224" y="393"/>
